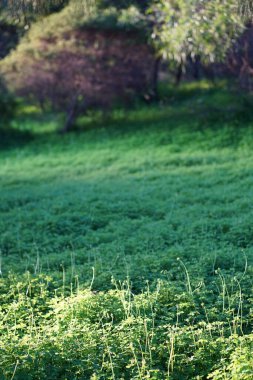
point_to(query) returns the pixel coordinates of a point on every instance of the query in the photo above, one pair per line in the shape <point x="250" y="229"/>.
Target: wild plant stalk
<point x="136" y="361"/>
<point x="108" y="351"/>
<point x="240" y="306"/>
<point x="93" y="278"/>
<point x="63" y="281"/>
<point x="72" y="256"/>
<point x="1" y="273"/>
<point x="171" y="355"/>
<point x="188" y="282"/>
<point x="224" y="290"/>
<point x="15" y="369"/>
<point x="125" y="293"/>
<point x="77" y="284"/>
<point x="37" y="264"/>
<point x="207" y="319"/>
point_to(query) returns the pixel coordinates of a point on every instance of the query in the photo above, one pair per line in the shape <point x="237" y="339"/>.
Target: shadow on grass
<point x="192" y="106"/>
<point x="14" y="138"/>
<point x="201" y="104"/>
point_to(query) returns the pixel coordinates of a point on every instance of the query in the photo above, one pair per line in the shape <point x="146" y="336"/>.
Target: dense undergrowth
<point x="126" y="246"/>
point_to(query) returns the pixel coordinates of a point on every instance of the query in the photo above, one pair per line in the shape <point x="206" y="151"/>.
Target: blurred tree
<point x="90" y="54"/>
<point x="48" y="6"/>
<point x="28" y="6"/>
<point x="245" y="8"/>
<point x="28" y="11"/>
<point x="74" y="60"/>
<point x="194" y="28"/>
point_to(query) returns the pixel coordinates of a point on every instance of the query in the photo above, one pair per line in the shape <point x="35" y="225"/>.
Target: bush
<point x="73" y="63"/>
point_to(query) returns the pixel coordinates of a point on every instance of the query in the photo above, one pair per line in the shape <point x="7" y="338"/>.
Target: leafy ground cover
<point x="126" y="246"/>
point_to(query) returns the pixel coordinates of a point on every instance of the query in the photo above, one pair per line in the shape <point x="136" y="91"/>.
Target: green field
<point x="127" y="246"/>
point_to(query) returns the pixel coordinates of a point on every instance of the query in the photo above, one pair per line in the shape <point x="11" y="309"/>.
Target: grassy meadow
<point x="127" y="245"/>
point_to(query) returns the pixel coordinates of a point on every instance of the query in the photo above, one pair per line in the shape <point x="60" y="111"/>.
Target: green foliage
<point x="124" y="4"/>
<point x="153" y="196"/>
<point x="28" y="7"/>
<point x="110" y="14"/>
<point x="72" y="17"/>
<point x="116" y="335"/>
<point x="97" y="13"/>
<point x="245" y="9"/>
<point x="195" y="28"/>
<point x="116" y="19"/>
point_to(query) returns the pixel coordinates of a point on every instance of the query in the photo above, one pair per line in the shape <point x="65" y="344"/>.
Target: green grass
<point x="127" y="246"/>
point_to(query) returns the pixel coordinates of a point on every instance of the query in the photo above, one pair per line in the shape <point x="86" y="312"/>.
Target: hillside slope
<point x="126" y="247"/>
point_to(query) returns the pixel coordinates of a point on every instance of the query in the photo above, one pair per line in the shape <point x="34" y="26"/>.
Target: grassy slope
<point x="164" y="193"/>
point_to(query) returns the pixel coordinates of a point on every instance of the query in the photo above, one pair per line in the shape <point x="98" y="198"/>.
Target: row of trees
<point x="72" y="69"/>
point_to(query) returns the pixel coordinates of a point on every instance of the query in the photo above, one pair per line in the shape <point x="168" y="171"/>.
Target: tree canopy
<point x="180" y="28"/>
<point x="194" y="28"/>
<point x="28" y="6"/>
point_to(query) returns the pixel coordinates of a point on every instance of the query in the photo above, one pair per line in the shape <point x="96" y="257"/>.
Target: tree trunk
<point x="71" y="116"/>
<point x="179" y="74"/>
<point x="196" y="68"/>
<point x="155" y="78"/>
